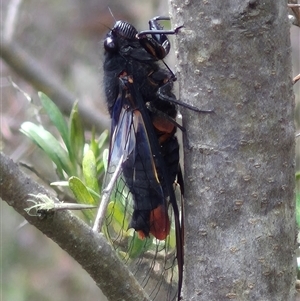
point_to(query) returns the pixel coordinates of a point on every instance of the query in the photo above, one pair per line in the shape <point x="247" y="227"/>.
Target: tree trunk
<point x="234" y="56"/>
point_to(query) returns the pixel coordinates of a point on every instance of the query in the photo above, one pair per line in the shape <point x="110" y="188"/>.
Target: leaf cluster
<point x="79" y="164"/>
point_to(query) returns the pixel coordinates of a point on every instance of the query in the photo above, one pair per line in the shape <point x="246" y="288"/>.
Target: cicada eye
<point x="110" y="44"/>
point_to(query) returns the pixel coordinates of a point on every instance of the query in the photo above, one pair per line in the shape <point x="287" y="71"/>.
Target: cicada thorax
<point x="140" y="216"/>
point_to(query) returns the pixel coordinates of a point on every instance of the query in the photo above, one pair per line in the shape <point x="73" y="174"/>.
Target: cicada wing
<point x="121" y="145"/>
<point x="138" y="222"/>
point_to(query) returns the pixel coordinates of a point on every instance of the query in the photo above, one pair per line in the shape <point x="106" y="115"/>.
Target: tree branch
<point x="10" y="21"/>
<point x="296" y="78"/>
<point x="295" y="8"/>
<point x="28" y="68"/>
<point x="88" y="248"/>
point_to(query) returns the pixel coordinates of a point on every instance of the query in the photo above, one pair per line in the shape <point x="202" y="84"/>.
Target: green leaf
<point x="90" y="170"/>
<point x="47" y="142"/>
<point x="102" y="139"/>
<point x="102" y="163"/>
<point x="80" y="191"/>
<point x="82" y="195"/>
<point x="97" y="145"/>
<point x="119" y="222"/>
<point x="77" y="139"/>
<point x="137" y="246"/>
<point x="96" y="195"/>
<point x="94" y="144"/>
<point x="100" y="169"/>
<point x="97" y="148"/>
<point x="56" y="117"/>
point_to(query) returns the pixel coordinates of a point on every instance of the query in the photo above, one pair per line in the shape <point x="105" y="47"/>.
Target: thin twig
<point x="11" y="18"/>
<point x="295" y="9"/>
<point x="42" y="203"/>
<point x="296" y="78"/>
<point x="105" y="198"/>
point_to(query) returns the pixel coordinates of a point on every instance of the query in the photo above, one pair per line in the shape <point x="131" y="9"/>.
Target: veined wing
<point x="138" y="220"/>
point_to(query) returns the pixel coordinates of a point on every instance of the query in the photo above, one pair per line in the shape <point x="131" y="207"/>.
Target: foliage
<point x="79" y="164"/>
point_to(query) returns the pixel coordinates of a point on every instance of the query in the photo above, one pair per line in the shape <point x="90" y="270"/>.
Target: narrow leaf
<point x="94" y="144"/>
<point x="90" y="170"/>
<point x="56" y="117"/>
<point x="82" y="195"/>
<point x="76" y="135"/>
<point x="102" y="139"/>
<point x="47" y="142"/>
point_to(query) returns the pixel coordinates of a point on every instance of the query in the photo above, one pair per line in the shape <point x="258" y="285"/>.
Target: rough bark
<point x="234" y="56"/>
<point x="88" y="248"/>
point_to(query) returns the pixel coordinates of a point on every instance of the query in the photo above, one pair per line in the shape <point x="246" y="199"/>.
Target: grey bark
<point x="87" y="247"/>
<point x="234" y="56"/>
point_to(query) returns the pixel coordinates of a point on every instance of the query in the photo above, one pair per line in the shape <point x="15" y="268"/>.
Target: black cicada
<point x="143" y="219"/>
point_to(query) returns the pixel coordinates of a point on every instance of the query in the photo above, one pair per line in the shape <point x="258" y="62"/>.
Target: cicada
<point x="143" y="221"/>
